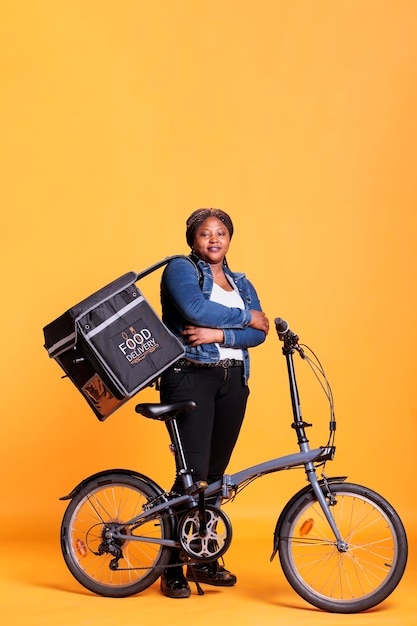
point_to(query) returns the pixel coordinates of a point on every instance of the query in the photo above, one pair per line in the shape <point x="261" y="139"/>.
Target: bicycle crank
<point x="207" y="539"/>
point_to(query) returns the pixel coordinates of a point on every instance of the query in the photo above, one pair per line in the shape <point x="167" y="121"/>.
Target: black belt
<point x="226" y="363"/>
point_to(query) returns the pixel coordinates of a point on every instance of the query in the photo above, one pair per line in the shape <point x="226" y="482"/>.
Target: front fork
<point x="326" y="500"/>
<point x="322" y="491"/>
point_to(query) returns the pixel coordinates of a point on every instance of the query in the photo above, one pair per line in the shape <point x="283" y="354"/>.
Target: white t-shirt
<point x="230" y="299"/>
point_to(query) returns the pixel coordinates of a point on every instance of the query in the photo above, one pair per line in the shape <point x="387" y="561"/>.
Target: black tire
<point x="118" y="498"/>
<point x="342" y="582"/>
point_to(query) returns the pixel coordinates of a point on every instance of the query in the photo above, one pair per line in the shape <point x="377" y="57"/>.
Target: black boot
<point x="211" y="573"/>
<point x="174" y="584"/>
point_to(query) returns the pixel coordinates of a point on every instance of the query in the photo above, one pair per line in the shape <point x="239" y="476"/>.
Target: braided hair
<point x="199" y="216"/>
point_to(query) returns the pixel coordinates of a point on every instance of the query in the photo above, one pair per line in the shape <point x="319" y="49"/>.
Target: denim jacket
<point x="186" y="287"/>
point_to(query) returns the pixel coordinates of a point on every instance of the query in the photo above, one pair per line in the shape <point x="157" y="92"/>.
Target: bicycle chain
<point x="163" y="567"/>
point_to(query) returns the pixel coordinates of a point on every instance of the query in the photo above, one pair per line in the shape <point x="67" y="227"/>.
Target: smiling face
<point x="211" y="241"/>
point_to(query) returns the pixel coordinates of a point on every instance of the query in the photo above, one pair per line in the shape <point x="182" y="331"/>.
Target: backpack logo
<point x="136" y="345"/>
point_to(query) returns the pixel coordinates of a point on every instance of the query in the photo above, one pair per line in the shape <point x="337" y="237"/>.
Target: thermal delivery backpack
<point x="112" y="344"/>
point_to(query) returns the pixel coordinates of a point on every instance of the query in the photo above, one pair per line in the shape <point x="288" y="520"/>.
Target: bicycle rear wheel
<point x="88" y="553"/>
<point x="343" y="582"/>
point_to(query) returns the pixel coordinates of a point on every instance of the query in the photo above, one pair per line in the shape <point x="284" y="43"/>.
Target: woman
<point x="217" y="314"/>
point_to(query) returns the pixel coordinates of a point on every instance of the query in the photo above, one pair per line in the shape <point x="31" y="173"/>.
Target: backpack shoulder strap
<point x="191" y="257"/>
<point x="194" y="260"/>
<point x="157" y="265"/>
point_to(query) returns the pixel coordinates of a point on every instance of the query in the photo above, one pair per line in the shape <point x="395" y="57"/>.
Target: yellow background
<point x="299" y="119"/>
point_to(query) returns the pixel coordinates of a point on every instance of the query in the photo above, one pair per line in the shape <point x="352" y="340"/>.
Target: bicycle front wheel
<point x="115" y="568"/>
<point x="349" y="581"/>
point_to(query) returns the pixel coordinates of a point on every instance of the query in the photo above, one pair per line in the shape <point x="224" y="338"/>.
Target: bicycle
<point x="342" y="547"/>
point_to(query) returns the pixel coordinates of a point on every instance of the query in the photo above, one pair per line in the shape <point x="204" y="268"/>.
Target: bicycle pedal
<point x="197" y="487"/>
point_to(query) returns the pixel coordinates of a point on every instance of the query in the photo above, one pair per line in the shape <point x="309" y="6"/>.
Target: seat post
<point x="182" y="466"/>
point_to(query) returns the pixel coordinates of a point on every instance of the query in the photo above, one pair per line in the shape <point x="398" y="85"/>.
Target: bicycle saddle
<point x="164" y="412"/>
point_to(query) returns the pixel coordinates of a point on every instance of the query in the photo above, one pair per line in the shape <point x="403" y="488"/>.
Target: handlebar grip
<point x="281" y="326"/>
<point x="286" y="335"/>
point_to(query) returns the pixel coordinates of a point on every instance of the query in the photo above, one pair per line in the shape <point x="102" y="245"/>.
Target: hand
<point x="196" y="335"/>
<point x="259" y="321"/>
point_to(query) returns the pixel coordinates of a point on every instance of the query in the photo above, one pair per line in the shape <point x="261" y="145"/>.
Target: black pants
<point x="209" y="432"/>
